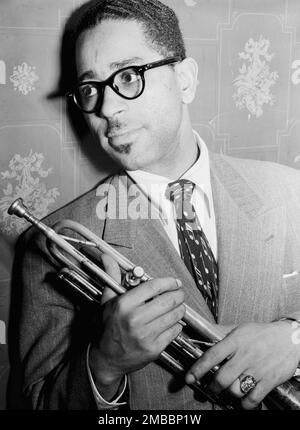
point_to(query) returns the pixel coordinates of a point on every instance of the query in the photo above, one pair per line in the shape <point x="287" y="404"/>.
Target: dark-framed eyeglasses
<point x="128" y="82"/>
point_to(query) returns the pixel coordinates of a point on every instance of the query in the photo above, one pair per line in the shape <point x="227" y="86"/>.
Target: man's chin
<point x="123" y="157"/>
<point x="122" y="148"/>
<point x="129" y="163"/>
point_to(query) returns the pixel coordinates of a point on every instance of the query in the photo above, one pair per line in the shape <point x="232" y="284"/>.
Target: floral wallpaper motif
<point x="24" y="78"/>
<point x="24" y="179"/>
<point x="255" y="79"/>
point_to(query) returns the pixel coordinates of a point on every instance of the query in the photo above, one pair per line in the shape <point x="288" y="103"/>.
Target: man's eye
<point x="128" y="77"/>
<point x="88" y="91"/>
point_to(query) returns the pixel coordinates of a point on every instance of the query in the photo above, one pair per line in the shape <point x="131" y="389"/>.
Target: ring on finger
<point x="247" y="383"/>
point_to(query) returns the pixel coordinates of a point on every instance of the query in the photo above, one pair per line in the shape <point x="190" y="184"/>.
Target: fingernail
<point x="190" y="378"/>
<point x="179" y="283"/>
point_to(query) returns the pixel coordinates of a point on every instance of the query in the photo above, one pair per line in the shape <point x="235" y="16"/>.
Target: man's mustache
<point x="115" y="127"/>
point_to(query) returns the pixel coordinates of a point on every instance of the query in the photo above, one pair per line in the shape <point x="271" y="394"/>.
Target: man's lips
<point x="122" y="135"/>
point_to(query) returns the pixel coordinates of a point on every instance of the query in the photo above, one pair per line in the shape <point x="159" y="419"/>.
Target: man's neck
<point x="178" y="163"/>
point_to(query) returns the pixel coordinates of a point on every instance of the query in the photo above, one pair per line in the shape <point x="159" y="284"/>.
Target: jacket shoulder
<point x="270" y="180"/>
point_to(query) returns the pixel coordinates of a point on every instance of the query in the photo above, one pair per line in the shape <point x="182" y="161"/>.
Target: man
<point x="134" y="87"/>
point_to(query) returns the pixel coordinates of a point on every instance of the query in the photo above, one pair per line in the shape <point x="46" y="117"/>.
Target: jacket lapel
<point x="250" y="237"/>
<point x="118" y="228"/>
<point x="144" y="241"/>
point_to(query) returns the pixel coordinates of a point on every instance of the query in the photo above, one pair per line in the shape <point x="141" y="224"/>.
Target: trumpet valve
<point x="134" y="277"/>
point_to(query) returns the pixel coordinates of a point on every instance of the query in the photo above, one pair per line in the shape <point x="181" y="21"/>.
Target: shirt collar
<point x="199" y="173"/>
<point x="154" y="186"/>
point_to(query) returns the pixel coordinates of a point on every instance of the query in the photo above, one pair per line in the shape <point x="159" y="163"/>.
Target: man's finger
<point x="161" y="305"/>
<point x="254" y="398"/>
<point x="150" y="289"/>
<point x="227" y="377"/>
<point x="235" y="389"/>
<point x="112" y="268"/>
<point x="212" y="357"/>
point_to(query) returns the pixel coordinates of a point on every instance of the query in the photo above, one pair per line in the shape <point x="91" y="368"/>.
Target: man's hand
<point x="265" y="351"/>
<point x="136" y="327"/>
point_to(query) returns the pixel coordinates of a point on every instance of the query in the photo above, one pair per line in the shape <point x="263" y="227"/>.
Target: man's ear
<point x="187" y="72"/>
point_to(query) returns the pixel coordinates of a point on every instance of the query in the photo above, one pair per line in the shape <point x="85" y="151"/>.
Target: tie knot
<point x="180" y="194"/>
<point x="180" y="190"/>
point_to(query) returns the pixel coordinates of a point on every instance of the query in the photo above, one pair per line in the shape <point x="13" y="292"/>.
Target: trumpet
<point x="84" y="276"/>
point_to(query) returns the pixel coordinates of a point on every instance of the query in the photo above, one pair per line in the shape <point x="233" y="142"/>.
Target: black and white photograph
<point x="150" y="209"/>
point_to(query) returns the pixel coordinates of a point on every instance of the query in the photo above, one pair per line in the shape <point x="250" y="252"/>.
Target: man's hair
<point x="159" y="22"/>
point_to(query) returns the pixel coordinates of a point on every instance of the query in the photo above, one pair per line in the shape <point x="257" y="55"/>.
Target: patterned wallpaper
<point x="248" y="104"/>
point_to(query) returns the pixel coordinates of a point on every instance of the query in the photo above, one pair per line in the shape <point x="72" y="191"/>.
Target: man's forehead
<point x="114" y="35"/>
<point x="112" y="45"/>
<point x="115" y="65"/>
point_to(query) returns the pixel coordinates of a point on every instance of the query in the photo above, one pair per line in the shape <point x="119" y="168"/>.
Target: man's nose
<point x="112" y="104"/>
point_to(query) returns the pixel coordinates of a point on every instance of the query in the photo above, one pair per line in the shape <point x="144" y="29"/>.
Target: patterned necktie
<point x="194" y="247"/>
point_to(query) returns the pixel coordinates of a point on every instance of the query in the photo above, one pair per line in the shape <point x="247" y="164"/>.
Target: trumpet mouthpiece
<point x="17" y="208"/>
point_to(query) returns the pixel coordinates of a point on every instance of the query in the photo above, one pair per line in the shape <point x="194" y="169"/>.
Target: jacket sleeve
<point x="52" y="328"/>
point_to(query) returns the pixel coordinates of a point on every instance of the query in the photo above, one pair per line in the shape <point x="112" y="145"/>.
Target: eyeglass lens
<point x="128" y="83"/>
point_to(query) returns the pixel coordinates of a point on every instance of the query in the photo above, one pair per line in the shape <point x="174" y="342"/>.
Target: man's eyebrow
<point x="113" y="66"/>
<point x="86" y="75"/>
<point x="128" y="62"/>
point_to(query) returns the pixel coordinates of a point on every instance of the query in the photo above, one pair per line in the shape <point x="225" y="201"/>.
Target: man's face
<point x="143" y="133"/>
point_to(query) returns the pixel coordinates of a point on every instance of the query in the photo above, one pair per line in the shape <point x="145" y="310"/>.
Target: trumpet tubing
<point x="87" y="278"/>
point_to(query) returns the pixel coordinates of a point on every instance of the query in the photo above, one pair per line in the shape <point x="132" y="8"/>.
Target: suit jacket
<point x="257" y="206"/>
